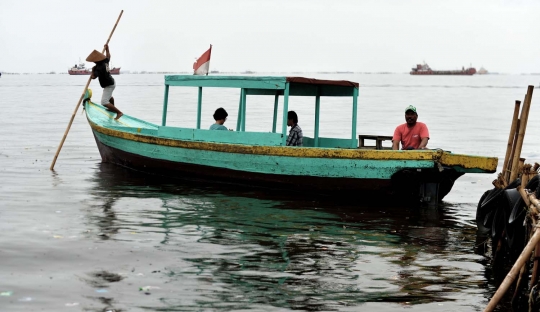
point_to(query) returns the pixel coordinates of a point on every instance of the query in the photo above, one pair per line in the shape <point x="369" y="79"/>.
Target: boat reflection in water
<point x="224" y="246"/>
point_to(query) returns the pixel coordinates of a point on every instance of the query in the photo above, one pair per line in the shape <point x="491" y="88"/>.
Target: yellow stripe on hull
<point x="488" y="164"/>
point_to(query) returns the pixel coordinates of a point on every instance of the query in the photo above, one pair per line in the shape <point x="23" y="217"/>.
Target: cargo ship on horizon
<point x="424" y="69"/>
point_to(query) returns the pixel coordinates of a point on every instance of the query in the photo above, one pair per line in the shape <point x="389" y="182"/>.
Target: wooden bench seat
<point x="378" y="140"/>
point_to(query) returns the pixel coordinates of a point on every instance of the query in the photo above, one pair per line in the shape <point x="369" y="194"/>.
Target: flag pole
<point x="79" y="102"/>
<point x="209" y="57"/>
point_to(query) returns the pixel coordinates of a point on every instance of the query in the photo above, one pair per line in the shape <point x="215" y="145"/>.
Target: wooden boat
<point x="262" y="158"/>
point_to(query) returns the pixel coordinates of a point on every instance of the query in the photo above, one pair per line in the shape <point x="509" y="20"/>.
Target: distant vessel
<point x="424" y="69"/>
<point x="80" y="69"/>
<point x="482" y="71"/>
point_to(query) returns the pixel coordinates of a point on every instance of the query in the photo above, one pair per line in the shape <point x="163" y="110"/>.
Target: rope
<point x="437" y="159"/>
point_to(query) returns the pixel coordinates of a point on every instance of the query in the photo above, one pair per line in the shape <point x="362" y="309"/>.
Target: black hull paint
<point x="406" y="185"/>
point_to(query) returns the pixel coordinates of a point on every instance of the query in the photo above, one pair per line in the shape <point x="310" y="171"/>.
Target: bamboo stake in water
<point x="511" y="159"/>
<point x="511" y="136"/>
<point x="522" y="127"/>
<point x="534" y="276"/>
<point x="80" y="100"/>
<point x="511" y="276"/>
<point x="533" y="203"/>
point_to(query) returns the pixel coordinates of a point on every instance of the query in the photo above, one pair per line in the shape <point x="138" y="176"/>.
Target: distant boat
<point x="482" y="71"/>
<point x="424" y="69"/>
<point x="80" y="69"/>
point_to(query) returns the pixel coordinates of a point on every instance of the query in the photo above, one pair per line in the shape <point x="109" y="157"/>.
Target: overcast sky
<point x="273" y="36"/>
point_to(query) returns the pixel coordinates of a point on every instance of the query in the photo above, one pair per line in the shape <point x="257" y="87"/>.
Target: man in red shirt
<point x="412" y="134"/>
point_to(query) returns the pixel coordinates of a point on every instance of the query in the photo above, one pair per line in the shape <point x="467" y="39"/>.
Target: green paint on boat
<point x="265" y="153"/>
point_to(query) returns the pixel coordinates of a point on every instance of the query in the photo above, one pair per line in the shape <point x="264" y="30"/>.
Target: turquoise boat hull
<point x="262" y="158"/>
<point x="187" y="153"/>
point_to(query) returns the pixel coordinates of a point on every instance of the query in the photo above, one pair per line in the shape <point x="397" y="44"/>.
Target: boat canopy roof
<point x="275" y="86"/>
<point x="268" y="85"/>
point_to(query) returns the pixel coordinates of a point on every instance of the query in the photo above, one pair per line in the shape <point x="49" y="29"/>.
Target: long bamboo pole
<point x="522" y="127"/>
<point x="533" y="203"/>
<point x="80" y="99"/>
<point x="517" y="290"/>
<point x="511" y="276"/>
<point x="513" y="128"/>
<point x="534" y="276"/>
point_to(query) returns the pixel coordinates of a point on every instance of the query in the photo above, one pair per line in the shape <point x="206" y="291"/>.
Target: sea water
<point x="97" y="237"/>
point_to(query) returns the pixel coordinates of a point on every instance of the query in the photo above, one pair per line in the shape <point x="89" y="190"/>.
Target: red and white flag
<point x="202" y="64"/>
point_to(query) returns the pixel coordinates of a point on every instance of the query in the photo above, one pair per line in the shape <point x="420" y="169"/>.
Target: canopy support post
<point x="199" y="108"/>
<point x="354" y="118"/>
<point x="276" y="103"/>
<point x="285" y="112"/>
<point x="239" y="119"/>
<point x="165" y="102"/>
<point x="317" y="114"/>
<point x="243" y="96"/>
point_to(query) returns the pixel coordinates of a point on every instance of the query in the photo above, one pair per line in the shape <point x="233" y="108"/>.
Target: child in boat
<point x="295" y="134"/>
<point x="220" y="115"/>
<point x="106" y="81"/>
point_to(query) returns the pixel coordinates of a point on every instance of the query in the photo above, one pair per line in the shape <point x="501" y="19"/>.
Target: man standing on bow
<point x="106" y="81"/>
<point x="412" y="134"/>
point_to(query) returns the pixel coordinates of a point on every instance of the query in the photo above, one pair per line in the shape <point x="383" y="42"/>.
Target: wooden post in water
<point x="522" y="127"/>
<point x="511" y="276"/>
<point x="534" y="210"/>
<point x="80" y="100"/>
<point x="534" y="276"/>
<point x="520" y="165"/>
<point x="518" y="289"/>
<point x="511" y="159"/>
<point x="511" y="136"/>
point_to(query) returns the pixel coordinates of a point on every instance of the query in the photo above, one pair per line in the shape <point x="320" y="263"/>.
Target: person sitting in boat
<point x="106" y="81"/>
<point x="412" y="134"/>
<point x="295" y="134"/>
<point x="220" y="116"/>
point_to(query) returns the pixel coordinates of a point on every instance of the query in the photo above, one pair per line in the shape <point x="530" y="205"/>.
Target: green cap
<point x="410" y="108"/>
